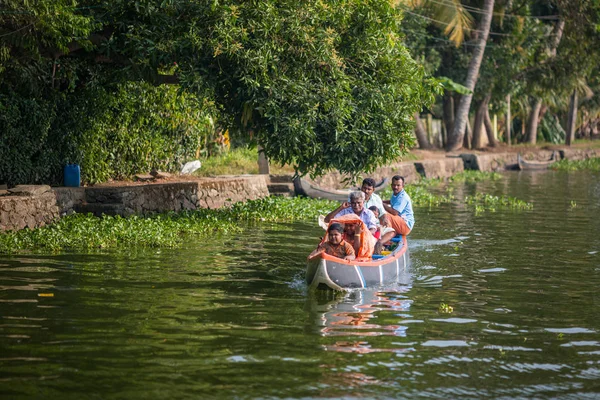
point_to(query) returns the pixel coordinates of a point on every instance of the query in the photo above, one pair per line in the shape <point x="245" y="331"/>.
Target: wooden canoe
<point x="328" y="272"/>
<point x="526" y="165"/>
<point x="305" y="188"/>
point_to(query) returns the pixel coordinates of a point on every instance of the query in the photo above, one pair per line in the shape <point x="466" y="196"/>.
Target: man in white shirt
<point x="371" y="198"/>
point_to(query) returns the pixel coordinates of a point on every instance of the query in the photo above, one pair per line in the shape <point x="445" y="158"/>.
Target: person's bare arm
<point x="388" y="208"/>
<point x="337" y="210"/>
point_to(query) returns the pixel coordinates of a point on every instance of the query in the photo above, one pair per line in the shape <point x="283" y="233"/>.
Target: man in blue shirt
<point x="399" y="210"/>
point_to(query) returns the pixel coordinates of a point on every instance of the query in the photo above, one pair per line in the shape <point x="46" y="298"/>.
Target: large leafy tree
<point x="319" y="84"/>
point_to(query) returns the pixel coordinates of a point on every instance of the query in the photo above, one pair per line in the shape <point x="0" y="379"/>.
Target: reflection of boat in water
<point x="353" y="318"/>
<point x="326" y="271"/>
<point x="526" y="165"/>
<point x="304" y="187"/>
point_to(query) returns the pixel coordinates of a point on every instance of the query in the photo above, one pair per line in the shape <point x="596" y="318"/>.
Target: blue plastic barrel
<point x="72" y="175"/>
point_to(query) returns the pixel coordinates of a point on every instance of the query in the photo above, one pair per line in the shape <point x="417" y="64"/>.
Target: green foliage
<point x="236" y="162"/>
<point x="472" y="176"/>
<point x="112" y="134"/>
<point x="482" y="202"/>
<point x="452" y="86"/>
<point x="320" y="85"/>
<point x="589" y="164"/>
<point x="86" y="232"/>
<point x="421" y="195"/>
<point x="136" y="128"/>
<point x="29" y="150"/>
<point x="550" y="129"/>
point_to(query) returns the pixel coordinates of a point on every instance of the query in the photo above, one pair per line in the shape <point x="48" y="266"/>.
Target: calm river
<point x="231" y="317"/>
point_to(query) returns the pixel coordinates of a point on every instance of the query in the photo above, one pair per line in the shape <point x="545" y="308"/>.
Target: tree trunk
<point x="478" y="125"/>
<point x="535" y="117"/>
<point x="263" y="162"/>
<point x="455" y="139"/>
<point x="420" y="133"/>
<point x="532" y="122"/>
<point x="448" y="112"/>
<point x="508" y="120"/>
<point x="467" y="140"/>
<point x="488" y="127"/>
<point x="572" y="119"/>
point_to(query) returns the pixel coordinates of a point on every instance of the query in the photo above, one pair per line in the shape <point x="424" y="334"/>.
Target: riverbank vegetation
<point x="590" y="164"/>
<point x="80" y="232"/>
<point x="87" y="232"/>
<point x="122" y="88"/>
<point x="318" y="85"/>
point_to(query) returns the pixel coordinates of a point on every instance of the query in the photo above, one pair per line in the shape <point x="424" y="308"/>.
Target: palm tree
<point x="455" y="138"/>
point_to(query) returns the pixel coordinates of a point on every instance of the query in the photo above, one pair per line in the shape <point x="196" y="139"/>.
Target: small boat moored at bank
<point x="304" y="187"/>
<point x="526" y="165"/>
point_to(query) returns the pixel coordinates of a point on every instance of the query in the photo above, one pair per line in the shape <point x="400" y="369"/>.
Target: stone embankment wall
<point x="35" y="206"/>
<point x="161" y="197"/>
<point x="445" y="167"/>
<point x="27" y="206"/>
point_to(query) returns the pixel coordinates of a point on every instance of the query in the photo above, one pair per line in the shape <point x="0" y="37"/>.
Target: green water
<point x="231" y="317"/>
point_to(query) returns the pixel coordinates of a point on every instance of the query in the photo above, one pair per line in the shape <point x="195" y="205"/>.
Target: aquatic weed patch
<point x="279" y="209"/>
<point x="486" y="202"/>
<point x="590" y="164"/>
<point x="472" y="176"/>
<point x="421" y="195"/>
<point x="86" y="232"/>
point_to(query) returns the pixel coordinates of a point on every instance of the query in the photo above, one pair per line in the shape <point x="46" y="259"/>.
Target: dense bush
<point x="111" y="132"/>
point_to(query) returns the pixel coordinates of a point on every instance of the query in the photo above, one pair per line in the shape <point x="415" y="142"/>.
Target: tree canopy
<point x="318" y="84"/>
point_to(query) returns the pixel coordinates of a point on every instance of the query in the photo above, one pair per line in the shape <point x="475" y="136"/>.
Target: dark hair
<point x="374" y="208"/>
<point x="336" y="226"/>
<point x="399" y="178"/>
<point x="369" y="182"/>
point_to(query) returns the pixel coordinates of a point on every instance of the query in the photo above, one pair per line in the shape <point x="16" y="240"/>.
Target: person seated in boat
<point x="375" y="210"/>
<point x="357" y="235"/>
<point x="355" y="206"/>
<point x="335" y="244"/>
<point x="382" y="224"/>
<point x="371" y="198"/>
<point x="399" y="211"/>
<point x="352" y="235"/>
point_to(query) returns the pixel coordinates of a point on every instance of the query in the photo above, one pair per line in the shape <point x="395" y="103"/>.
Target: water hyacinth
<point x="472" y="176"/>
<point x="590" y="164"/>
<point x="482" y="202"/>
<point x="85" y="231"/>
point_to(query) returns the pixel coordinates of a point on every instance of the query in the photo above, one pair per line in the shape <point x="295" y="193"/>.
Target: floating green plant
<point x="445" y="308"/>
<point x="489" y="202"/>
<point x="590" y="164"/>
<point x="421" y="195"/>
<point x="84" y="231"/>
<point x="471" y="176"/>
